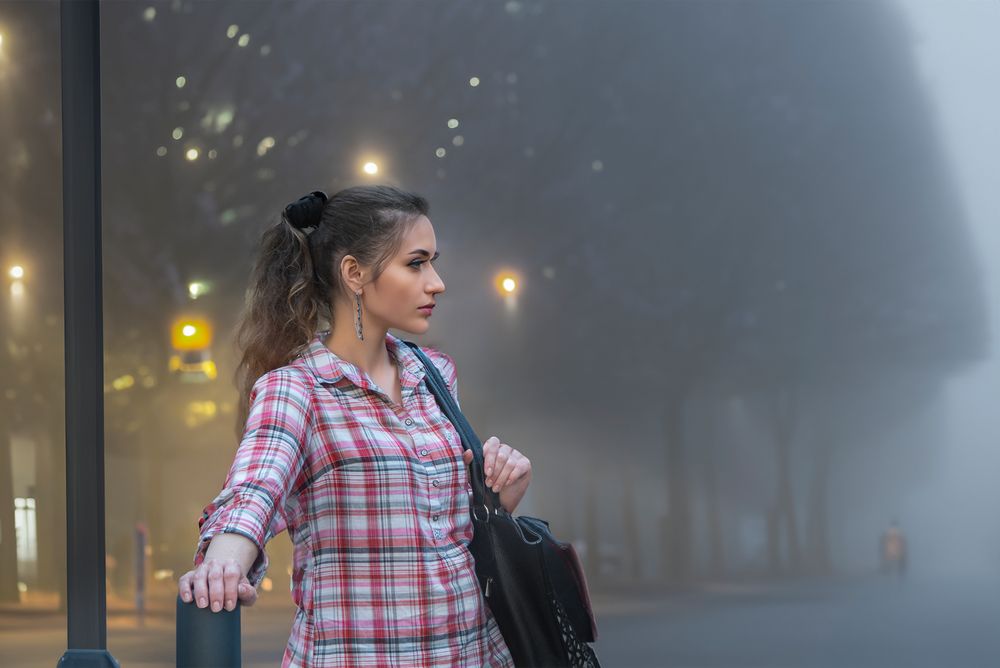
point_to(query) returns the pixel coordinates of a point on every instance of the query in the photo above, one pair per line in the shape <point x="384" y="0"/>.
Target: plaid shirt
<point x="375" y="497"/>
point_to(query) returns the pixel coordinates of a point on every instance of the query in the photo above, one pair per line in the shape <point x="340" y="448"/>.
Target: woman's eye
<point x="416" y="263"/>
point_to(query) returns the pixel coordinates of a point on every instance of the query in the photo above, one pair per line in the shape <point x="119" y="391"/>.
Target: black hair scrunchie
<point x="307" y="210"/>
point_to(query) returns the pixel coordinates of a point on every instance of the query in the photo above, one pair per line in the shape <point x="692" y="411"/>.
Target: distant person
<point x="893" y="550"/>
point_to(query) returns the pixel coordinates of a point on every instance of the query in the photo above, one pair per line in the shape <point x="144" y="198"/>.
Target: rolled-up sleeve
<point x="269" y="460"/>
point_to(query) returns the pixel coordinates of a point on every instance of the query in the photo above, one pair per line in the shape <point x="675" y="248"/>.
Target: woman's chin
<point x="417" y="326"/>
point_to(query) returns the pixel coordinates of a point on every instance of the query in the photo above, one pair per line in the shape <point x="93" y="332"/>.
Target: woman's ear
<point x="351" y="273"/>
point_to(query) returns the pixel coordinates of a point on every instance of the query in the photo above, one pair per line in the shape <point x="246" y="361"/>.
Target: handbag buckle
<point x="481" y="519"/>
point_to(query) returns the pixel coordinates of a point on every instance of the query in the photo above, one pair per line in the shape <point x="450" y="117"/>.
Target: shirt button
<point x="408" y="421"/>
<point x="423" y="453"/>
<point x="435" y="518"/>
<point x="436" y="483"/>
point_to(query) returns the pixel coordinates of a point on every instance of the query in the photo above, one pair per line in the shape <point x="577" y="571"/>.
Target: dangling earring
<point x="357" y="317"/>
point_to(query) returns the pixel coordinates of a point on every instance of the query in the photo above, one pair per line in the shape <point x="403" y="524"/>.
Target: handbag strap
<point x="482" y="496"/>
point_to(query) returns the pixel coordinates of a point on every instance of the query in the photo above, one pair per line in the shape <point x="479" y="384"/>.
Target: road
<point x="871" y="623"/>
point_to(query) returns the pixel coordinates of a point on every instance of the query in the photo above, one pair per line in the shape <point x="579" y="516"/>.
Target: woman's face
<point x="408" y="282"/>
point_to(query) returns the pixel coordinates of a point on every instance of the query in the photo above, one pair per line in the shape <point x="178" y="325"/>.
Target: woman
<point x="345" y="446"/>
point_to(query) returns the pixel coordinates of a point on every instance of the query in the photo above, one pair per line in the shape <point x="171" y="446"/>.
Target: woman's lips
<point x="426" y="310"/>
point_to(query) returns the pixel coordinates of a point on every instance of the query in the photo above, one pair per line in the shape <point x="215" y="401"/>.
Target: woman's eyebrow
<point x="421" y="251"/>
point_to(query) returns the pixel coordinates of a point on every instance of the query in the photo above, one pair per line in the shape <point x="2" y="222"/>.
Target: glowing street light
<point x="506" y="283"/>
<point x="16" y="272"/>
<point x="370" y="168"/>
<point x="191" y="334"/>
<point x="197" y="289"/>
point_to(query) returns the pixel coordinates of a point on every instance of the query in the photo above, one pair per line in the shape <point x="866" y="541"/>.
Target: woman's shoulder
<point x="442" y="360"/>
<point x="290" y="379"/>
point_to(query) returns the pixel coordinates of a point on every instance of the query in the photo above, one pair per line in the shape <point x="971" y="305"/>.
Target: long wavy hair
<point x="296" y="276"/>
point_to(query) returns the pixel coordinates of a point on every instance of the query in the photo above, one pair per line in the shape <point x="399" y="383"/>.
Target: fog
<point x="755" y="245"/>
<point x="952" y="513"/>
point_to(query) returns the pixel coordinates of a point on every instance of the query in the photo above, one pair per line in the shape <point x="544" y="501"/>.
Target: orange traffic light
<point x="191" y="334"/>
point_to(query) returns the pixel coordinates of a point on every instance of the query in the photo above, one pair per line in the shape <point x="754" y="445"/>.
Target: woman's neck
<point x="370" y="355"/>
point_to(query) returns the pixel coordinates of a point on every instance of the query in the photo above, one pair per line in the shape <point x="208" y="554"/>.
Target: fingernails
<point x="202" y="602"/>
<point x="230" y="605"/>
<point x="186" y="597"/>
<point x="489" y="471"/>
<point x="216" y="606"/>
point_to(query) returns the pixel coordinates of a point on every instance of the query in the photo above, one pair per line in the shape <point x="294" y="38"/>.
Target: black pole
<point x="87" y="632"/>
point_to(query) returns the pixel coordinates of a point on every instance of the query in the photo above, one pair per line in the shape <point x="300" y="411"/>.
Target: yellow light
<point x="244" y="39"/>
<point x="17" y="271"/>
<point x="149" y="14"/>
<point x="265" y="145"/>
<point x="177" y="133"/>
<point x="452" y="123"/>
<point x="191" y="334"/>
<point x="199" y="412"/>
<point x="440" y="152"/>
<point x="180" y="81"/>
<point x="212" y="154"/>
<point x="17" y="289"/>
<point x="123" y="382"/>
<point x="161" y="151"/>
<point x="232" y="31"/>
<point x="370" y="168"/>
<point x="474" y="81"/>
<point x="163" y="574"/>
<point x="506" y="282"/>
<point x="192" y="154"/>
<point x="267" y="584"/>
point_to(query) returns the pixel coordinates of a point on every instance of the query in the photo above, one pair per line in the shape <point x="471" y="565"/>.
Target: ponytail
<point x="282" y="308"/>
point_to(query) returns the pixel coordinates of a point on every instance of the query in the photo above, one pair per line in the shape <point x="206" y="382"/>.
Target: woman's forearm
<point x="233" y="546"/>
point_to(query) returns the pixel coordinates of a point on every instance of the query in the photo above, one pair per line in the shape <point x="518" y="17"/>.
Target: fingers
<point x="490" y="454"/>
<point x="511" y="472"/>
<point x="500" y="456"/>
<point x="231" y="575"/>
<point x="184" y="587"/>
<point x="200" y="583"/>
<point x="216" y="584"/>
<point x="247" y="592"/>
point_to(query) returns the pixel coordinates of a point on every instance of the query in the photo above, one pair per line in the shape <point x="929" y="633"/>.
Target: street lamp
<point x="507" y="283"/>
<point x="16" y="272"/>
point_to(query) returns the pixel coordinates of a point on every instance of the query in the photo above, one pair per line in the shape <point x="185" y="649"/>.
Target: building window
<point x="27" y="540"/>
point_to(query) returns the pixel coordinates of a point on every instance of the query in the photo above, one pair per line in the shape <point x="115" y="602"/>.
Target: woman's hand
<point x="217" y="583"/>
<point x="507" y="471"/>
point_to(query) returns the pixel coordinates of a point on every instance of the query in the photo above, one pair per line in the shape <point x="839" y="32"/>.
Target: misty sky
<point x="959" y="59"/>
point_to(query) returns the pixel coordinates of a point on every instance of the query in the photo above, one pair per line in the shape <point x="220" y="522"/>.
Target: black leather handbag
<point x="533" y="583"/>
